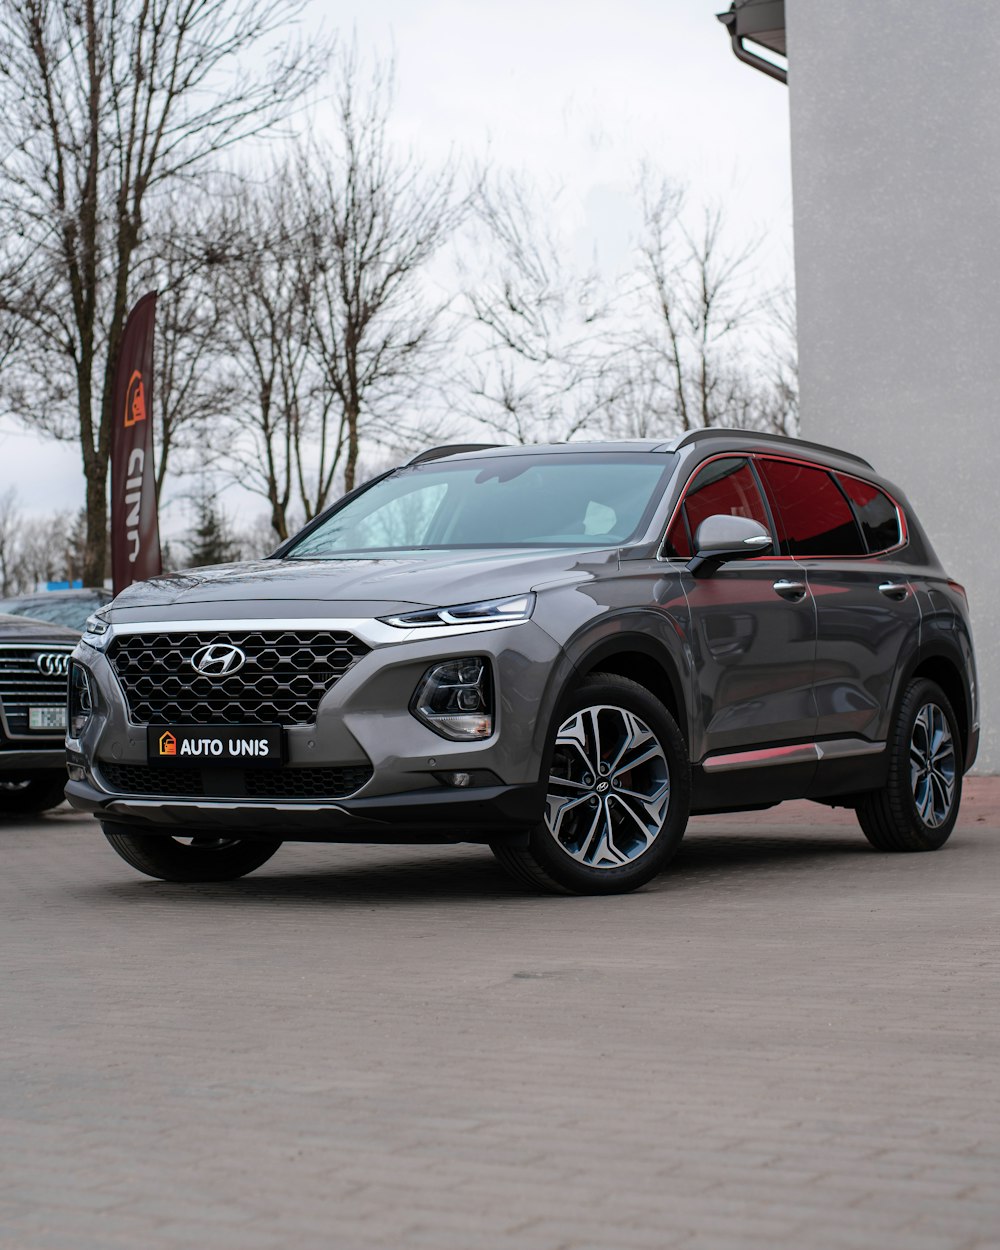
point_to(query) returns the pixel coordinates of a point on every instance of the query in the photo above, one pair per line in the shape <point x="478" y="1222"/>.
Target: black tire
<point x="205" y="858"/>
<point x="547" y="863"/>
<point x="25" y="796"/>
<point x="891" y="818"/>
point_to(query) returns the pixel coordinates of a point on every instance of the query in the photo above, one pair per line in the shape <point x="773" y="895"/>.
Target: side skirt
<point x="738" y="780"/>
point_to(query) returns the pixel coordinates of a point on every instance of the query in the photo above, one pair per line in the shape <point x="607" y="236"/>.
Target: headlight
<point x="456" y="699"/>
<point x="96" y="631"/>
<point x="81" y="701"/>
<point x="510" y="611"/>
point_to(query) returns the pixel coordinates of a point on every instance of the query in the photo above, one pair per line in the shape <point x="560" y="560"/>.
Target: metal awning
<point x="762" y="22"/>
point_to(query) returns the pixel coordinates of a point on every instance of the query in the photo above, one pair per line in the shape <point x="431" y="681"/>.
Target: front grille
<point x="285" y="675"/>
<point x="24" y="685"/>
<point x="316" y="784"/>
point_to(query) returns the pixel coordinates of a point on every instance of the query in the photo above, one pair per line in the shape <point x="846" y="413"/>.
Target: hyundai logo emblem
<point x="601" y="787"/>
<point x="218" y="659"/>
<point x="53" y="663"/>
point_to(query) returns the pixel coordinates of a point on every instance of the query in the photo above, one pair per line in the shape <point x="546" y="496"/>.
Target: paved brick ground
<point x="787" y="1040"/>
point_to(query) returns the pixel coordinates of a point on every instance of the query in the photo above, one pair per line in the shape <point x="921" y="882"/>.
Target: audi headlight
<point x="97" y="631"/>
<point x="81" y="701"/>
<point x="455" y="699"/>
<point x="511" y="611"/>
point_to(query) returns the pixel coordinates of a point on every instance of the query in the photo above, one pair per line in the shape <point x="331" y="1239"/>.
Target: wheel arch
<point x="941" y="664"/>
<point x="643" y="661"/>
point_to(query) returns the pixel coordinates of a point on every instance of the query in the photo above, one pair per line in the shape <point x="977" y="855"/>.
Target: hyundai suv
<point x="559" y="651"/>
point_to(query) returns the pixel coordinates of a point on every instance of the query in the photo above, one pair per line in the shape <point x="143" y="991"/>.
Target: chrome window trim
<point x="753" y="456"/>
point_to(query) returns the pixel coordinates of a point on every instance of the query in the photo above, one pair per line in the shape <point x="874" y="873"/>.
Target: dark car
<point x="62" y="607"/>
<point x="34" y="662"/>
<point x="560" y="651"/>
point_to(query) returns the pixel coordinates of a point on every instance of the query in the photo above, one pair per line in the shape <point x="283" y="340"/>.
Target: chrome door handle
<point x="790" y="590"/>
<point x="894" y="590"/>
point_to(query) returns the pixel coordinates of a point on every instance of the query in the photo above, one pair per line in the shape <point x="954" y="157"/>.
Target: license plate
<point x="47" y="718"/>
<point x="215" y="746"/>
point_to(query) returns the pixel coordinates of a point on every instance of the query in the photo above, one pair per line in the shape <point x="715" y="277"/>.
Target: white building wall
<point x="895" y="129"/>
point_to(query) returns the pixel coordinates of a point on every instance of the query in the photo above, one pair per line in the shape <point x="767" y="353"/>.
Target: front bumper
<point x="33" y="760"/>
<point x="363" y="722"/>
<point x="485" y="814"/>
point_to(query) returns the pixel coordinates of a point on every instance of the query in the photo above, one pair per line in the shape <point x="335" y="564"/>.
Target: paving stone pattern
<point x="787" y="1040"/>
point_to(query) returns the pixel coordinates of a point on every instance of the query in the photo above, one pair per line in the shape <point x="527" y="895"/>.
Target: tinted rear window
<point x="875" y="511"/>
<point x="812" y="515"/>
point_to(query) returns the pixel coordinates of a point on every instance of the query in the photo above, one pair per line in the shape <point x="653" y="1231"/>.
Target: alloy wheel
<point x="932" y="765"/>
<point x="609" y="787"/>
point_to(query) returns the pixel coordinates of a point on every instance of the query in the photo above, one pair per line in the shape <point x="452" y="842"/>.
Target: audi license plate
<point x="214" y="746"/>
<point x="47" y="718"/>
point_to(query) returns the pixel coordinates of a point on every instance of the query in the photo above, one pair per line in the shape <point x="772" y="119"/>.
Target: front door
<point x="752" y="627"/>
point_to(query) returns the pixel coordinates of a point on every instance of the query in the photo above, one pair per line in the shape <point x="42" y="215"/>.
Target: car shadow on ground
<point x="362" y="876"/>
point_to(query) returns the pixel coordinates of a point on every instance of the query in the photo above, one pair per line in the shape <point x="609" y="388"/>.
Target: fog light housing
<point x="471" y="778"/>
<point x="455" y="699"/>
<point x="80" y="706"/>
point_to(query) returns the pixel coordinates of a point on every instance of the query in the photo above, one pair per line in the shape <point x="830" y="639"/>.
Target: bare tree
<point x="37" y="549"/>
<point x="698" y="296"/>
<point x="538" y="364"/>
<point x="323" y="305"/>
<point x="263" y="291"/>
<point x="192" y="394"/>
<point x="11" y="524"/>
<point x="709" y="343"/>
<point x="376" y="218"/>
<point x="103" y="105"/>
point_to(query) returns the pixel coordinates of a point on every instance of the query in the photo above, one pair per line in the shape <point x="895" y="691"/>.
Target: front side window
<point x="556" y="500"/>
<point x="875" y="511"/>
<point x="810" y="510"/>
<point x="724" y="487"/>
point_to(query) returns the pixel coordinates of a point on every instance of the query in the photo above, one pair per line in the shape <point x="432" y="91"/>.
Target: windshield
<point x="556" y="500"/>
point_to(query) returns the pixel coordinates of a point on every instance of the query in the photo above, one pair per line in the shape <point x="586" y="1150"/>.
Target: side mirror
<point x="720" y="538"/>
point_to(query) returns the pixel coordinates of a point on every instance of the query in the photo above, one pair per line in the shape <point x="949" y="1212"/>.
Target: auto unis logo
<point x="53" y="663"/>
<point x="135" y="400"/>
<point x="218" y="659"/>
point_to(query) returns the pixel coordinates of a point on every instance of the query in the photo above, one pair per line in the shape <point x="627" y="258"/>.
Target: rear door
<point x="843" y="532"/>
<point x="753" y="626"/>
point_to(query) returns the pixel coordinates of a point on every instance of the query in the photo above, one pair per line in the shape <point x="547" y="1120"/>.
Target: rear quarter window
<point x="875" y="511"/>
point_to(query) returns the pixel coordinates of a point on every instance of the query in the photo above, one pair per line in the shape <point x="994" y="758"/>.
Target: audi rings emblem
<point x="53" y="663"/>
<point x="218" y="659"/>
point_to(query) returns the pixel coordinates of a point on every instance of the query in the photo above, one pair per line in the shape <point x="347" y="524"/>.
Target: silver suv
<point x="560" y="651"/>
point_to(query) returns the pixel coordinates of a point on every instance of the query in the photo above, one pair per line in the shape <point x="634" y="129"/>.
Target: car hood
<point x="355" y="587"/>
<point x="27" y="629"/>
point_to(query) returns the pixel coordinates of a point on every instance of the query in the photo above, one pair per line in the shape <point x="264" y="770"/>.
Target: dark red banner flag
<point x="135" y="531"/>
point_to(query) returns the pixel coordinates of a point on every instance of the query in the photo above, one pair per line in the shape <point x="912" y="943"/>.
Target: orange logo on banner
<point x="135" y="400"/>
<point x="168" y="744"/>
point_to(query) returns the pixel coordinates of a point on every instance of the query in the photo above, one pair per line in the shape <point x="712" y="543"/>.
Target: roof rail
<point x="698" y="436"/>
<point x="449" y="449"/>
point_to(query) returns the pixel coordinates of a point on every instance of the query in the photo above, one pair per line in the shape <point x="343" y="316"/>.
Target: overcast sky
<point x="576" y="94"/>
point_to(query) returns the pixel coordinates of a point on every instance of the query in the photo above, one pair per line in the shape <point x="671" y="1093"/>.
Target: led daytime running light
<point x="509" y="611"/>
